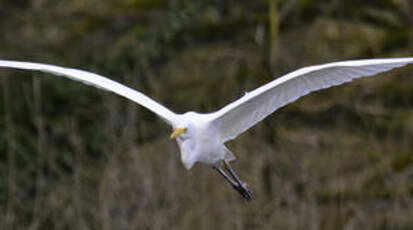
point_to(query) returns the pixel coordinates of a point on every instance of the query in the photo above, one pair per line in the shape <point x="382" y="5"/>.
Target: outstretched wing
<point x="99" y="82"/>
<point x="240" y="115"/>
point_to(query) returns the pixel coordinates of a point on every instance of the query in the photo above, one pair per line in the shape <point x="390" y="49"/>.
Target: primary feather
<point x="237" y="117"/>
<point x="98" y="81"/>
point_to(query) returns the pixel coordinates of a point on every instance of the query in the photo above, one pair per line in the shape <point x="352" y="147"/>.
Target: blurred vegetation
<point x="73" y="157"/>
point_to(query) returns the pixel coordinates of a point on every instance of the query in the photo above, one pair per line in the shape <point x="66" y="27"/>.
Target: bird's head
<point x="179" y="132"/>
<point x="185" y="128"/>
<point x="184" y="133"/>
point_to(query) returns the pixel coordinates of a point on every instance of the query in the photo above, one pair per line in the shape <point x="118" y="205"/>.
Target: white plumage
<point x="201" y="137"/>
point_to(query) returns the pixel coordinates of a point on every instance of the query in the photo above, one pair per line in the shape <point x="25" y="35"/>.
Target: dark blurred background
<point x="74" y="157"/>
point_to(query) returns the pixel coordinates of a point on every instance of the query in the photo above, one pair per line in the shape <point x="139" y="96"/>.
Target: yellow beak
<point x="177" y="132"/>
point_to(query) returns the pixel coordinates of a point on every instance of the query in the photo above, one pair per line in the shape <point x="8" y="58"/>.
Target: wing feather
<point x="97" y="81"/>
<point x="240" y="115"/>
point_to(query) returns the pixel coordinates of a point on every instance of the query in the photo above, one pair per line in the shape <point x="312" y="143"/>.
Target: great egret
<point x="201" y="137"/>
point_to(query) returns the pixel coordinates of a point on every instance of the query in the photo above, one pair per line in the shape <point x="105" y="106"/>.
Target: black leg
<point x="238" y="185"/>
<point x="232" y="172"/>
<point x="231" y="181"/>
<point x="243" y="187"/>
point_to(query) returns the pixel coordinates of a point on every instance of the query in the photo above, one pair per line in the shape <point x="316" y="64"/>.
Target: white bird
<point x="201" y="137"/>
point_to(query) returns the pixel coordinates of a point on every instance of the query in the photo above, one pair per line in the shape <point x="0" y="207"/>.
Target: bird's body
<point x="204" y="146"/>
<point x="201" y="137"/>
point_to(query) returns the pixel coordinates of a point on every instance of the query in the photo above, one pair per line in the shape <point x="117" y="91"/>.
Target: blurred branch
<point x="273" y="16"/>
<point x="78" y="147"/>
<point x="11" y="158"/>
<point x="40" y="145"/>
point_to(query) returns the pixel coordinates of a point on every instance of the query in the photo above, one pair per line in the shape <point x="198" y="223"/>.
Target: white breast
<point x="209" y="150"/>
<point x="205" y="143"/>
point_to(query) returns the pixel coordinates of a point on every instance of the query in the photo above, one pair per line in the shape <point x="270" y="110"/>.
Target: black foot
<point x="237" y="184"/>
<point x="244" y="190"/>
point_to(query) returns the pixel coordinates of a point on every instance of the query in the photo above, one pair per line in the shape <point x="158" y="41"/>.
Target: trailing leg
<point x="235" y="182"/>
